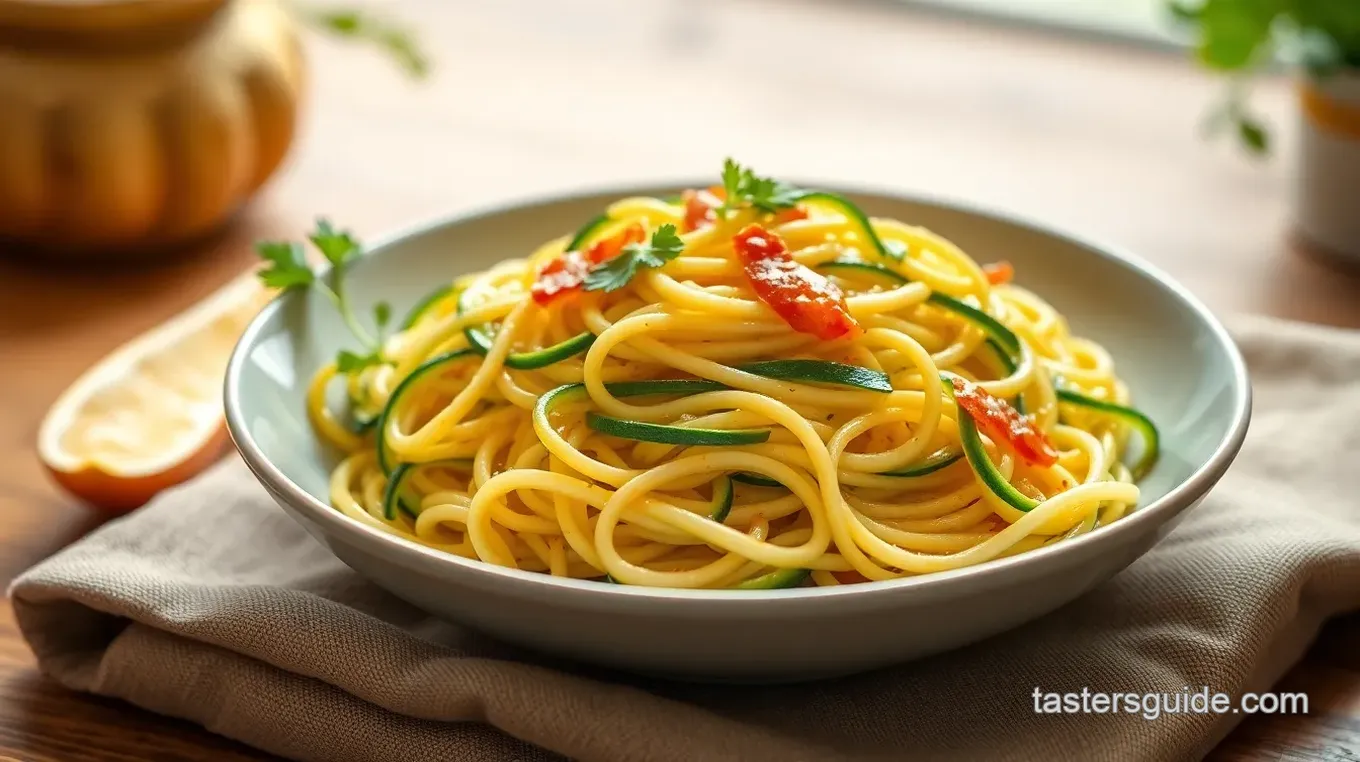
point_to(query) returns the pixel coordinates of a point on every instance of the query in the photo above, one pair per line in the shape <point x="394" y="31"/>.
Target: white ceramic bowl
<point x="1183" y="369"/>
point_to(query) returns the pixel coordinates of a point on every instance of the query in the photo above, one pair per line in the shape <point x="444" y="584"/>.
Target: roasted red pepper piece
<point x="568" y="272"/>
<point x="699" y="209"/>
<point x="807" y="301"/>
<point x="1004" y="424"/>
<point x="999" y="272"/>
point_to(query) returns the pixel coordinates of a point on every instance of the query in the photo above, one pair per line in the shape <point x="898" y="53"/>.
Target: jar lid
<point x="105" y="23"/>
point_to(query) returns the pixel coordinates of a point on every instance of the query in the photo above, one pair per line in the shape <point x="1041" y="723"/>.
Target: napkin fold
<point x="212" y="605"/>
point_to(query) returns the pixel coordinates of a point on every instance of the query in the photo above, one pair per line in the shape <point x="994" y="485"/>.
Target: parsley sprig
<point x="365" y="27"/>
<point x="615" y="273"/>
<point x="743" y="187"/>
<point x="286" y="268"/>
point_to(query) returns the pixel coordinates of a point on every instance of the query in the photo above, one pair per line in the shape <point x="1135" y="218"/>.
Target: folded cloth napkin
<point x="212" y="605"/>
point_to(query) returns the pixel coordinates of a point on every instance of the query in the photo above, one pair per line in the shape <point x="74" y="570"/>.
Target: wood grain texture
<point x="532" y="96"/>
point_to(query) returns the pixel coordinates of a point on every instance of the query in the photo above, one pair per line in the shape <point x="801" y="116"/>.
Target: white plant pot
<point x="1327" y="197"/>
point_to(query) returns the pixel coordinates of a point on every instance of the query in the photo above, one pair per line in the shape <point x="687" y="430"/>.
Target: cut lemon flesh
<point x="149" y="415"/>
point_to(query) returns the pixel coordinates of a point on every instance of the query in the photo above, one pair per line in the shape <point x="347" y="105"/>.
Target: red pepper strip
<point x="568" y="272"/>
<point x="999" y="272"/>
<point x="790" y="214"/>
<point x="1003" y="423"/>
<point x="808" y="302"/>
<point x="699" y="209"/>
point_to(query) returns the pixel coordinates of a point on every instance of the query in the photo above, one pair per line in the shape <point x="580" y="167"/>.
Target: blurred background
<point x="1088" y="114"/>
<point x="1139" y="20"/>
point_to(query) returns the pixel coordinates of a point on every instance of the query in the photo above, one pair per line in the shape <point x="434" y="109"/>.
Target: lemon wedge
<point x="149" y="415"/>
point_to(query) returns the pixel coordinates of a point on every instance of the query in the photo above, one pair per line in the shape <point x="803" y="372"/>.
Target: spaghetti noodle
<point x="749" y="386"/>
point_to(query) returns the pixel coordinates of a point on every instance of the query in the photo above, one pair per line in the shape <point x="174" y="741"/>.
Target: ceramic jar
<point x="1327" y="199"/>
<point x="130" y="125"/>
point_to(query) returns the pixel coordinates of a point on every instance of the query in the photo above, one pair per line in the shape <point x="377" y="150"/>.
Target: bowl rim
<point x="408" y="553"/>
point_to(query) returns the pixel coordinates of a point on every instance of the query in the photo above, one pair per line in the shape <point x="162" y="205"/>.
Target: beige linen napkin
<point x="212" y="605"/>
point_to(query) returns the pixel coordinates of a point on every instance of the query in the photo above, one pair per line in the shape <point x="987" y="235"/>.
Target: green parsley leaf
<point x="349" y="362"/>
<point x="745" y="188"/>
<point x="1183" y="12"/>
<point x="731" y="180"/>
<point x="287" y="267"/>
<point x="337" y="246"/>
<point x="363" y="27"/>
<point x="617" y="272"/>
<point x="1253" y="135"/>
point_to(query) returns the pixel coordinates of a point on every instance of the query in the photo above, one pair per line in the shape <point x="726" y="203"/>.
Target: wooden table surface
<point x="533" y="96"/>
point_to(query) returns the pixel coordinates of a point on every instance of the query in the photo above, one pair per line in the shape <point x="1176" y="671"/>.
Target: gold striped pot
<point x="130" y="125"/>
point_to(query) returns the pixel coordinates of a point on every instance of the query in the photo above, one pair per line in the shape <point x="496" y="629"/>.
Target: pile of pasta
<point x="746" y="386"/>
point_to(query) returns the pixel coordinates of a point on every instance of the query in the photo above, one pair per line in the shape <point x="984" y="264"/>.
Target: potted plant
<point x="1321" y="38"/>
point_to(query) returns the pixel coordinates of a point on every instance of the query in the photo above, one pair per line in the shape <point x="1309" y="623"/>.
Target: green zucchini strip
<point x="1004" y="337"/>
<point x="775" y="580"/>
<point x="867" y="268"/>
<point x="821" y="372"/>
<point x="1136" y="418"/>
<point x="552" y="354"/>
<point x="481" y="341"/>
<point x="680" y="386"/>
<point x="651" y="432"/>
<point x="1001" y="339"/>
<point x="722" y="499"/>
<point x="408" y="383"/>
<point x="586" y="231"/>
<point x="1011" y="364"/>
<point x="941" y="458"/>
<point x="1007" y="361"/>
<point x="675" y="435"/>
<point x="992" y="478"/>
<point x="426" y="302"/>
<point x="989" y="325"/>
<point x="394" y="496"/>
<point x="755" y="480"/>
<point x="857" y="216"/>
<point x="363" y="420"/>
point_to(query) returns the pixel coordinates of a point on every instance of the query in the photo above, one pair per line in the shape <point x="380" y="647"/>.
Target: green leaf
<point x="1234" y="33"/>
<point x="359" y="26"/>
<point x="1184" y="12"/>
<point x="349" y="362"/>
<point x="745" y="188"/>
<point x="731" y="177"/>
<point x="1320" y="53"/>
<point x="382" y="314"/>
<point x="337" y="246"/>
<point x="731" y="180"/>
<point x="287" y="266"/>
<point x="1337" y="22"/>
<point x="1253" y="135"/>
<point x="616" y="273"/>
<point x="773" y="195"/>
